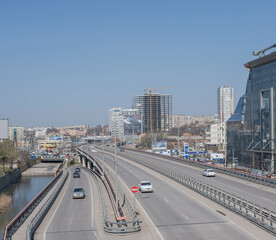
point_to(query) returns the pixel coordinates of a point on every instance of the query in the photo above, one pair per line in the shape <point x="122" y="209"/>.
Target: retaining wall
<point x="10" y="178"/>
<point x="15" y="175"/>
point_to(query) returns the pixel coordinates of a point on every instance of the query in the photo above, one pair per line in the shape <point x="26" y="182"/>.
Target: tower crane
<point x="150" y="91"/>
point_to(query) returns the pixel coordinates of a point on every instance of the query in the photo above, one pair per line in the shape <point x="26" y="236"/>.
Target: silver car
<point x="209" y="173"/>
<point x="78" y="193"/>
<point x="145" y="186"/>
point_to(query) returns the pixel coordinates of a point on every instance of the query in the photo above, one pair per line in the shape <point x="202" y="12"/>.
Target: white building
<point x="119" y="119"/>
<point x="225" y="98"/>
<point x="16" y="134"/>
<point x="216" y="135"/>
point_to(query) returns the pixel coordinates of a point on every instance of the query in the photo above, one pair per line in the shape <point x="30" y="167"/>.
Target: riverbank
<point x="15" y="175"/>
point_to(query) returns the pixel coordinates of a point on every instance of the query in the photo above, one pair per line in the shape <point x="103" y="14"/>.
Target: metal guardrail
<point x="122" y="226"/>
<point x="236" y="173"/>
<point x="109" y="226"/>
<point x="261" y="216"/>
<point x="13" y="226"/>
<point x="37" y="219"/>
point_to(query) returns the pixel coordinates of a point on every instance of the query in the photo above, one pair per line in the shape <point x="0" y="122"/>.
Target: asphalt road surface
<point x="256" y="193"/>
<point x="174" y="213"/>
<point x="70" y="218"/>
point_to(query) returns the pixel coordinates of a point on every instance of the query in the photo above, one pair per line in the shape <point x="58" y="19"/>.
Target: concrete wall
<point x="29" y="163"/>
<point x="10" y="178"/>
<point x="15" y="175"/>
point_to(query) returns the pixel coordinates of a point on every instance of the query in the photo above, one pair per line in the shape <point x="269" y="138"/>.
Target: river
<point x="16" y="197"/>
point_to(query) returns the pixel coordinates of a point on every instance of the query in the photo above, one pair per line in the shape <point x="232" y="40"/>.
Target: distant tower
<point x="225" y="98"/>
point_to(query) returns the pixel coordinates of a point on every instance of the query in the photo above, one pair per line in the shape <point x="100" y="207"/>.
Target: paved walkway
<point x="41" y="169"/>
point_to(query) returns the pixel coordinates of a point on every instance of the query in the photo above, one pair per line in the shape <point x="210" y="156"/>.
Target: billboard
<point x="4" y="125"/>
<point x="159" y="145"/>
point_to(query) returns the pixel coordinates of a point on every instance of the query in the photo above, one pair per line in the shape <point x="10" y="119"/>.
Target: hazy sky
<point x="68" y="62"/>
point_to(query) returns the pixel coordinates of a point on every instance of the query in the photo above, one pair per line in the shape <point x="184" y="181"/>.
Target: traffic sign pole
<point x="134" y="190"/>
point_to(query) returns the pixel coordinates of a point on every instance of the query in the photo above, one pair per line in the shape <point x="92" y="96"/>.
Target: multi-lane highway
<point x="174" y="211"/>
<point x="73" y="218"/>
<point x="171" y="212"/>
<point x="255" y="193"/>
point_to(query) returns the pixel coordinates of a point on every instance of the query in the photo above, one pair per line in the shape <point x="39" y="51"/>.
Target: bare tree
<point x="8" y="154"/>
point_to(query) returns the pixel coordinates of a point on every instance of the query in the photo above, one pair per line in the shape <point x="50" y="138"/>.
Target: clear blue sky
<point x="68" y="62"/>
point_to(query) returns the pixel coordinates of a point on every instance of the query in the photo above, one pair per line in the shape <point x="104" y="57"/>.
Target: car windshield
<point x="145" y="183"/>
<point x="78" y="190"/>
<point x="210" y="170"/>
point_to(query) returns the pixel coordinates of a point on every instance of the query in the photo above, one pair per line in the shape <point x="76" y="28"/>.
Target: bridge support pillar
<point x="89" y="164"/>
<point x="79" y="159"/>
<point x="84" y="161"/>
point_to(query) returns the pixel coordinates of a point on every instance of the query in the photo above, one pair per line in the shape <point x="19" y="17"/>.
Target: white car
<point x="145" y="186"/>
<point x="209" y="173"/>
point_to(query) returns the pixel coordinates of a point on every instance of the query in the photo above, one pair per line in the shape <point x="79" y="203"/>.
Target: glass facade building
<point x="251" y="130"/>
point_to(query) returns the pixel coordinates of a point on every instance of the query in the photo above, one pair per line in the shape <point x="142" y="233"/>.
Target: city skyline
<point x="67" y="64"/>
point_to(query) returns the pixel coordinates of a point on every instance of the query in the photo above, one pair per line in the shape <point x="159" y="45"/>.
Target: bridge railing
<point x="261" y="216"/>
<point x="232" y="172"/>
<point x="37" y="219"/>
<point x="121" y="224"/>
<point x="14" y="225"/>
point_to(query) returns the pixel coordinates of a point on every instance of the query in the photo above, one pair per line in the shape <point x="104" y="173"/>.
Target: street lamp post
<point x="132" y="134"/>
<point x="178" y="140"/>
<point x="103" y="149"/>
<point x="116" y="166"/>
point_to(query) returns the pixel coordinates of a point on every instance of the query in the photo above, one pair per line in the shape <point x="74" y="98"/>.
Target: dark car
<point x="77" y="169"/>
<point x="122" y="150"/>
<point x="76" y="175"/>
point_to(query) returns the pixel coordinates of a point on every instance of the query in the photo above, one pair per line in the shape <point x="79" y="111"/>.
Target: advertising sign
<point x="4" y="125"/>
<point x="159" y="145"/>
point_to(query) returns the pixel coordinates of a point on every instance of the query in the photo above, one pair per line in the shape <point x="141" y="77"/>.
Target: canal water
<point x="16" y="197"/>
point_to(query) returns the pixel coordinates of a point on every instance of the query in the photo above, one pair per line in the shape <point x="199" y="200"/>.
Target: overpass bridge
<point x="184" y="204"/>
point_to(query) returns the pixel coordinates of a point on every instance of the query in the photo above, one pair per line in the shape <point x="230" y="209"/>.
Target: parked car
<point x="209" y="173"/>
<point x="78" y="193"/>
<point x="145" y="186"/>
<point x="122" y="150"/>
<point x="76" y="175"/>
<point x="77" y="169"/>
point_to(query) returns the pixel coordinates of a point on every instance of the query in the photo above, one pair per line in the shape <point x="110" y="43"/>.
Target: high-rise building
<point x="155" y="110"/>
<point x="16" y="134"/>
<point x="251" y="130"/>
<point x="124" y="122"/>
<point x="225" y="97"/>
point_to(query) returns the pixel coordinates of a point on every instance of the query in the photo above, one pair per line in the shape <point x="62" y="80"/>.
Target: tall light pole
<point x="132" y="134"/>
<point x="116" y="167"/>
<point x="103" y="148"/>
<point x="178" y="140"/>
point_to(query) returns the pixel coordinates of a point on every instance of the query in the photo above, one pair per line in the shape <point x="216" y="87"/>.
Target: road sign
<point x="134" y="189"/>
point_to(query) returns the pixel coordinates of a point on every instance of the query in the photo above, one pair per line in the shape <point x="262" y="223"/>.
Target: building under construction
<point x="155" y="110"/>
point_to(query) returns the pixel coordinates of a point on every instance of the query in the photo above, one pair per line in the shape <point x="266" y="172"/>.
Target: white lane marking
<point x="92" y="208"/>
<point x="51" y="218"/>
<point x="156" y="229"/>
<point x="184" y="216"/>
